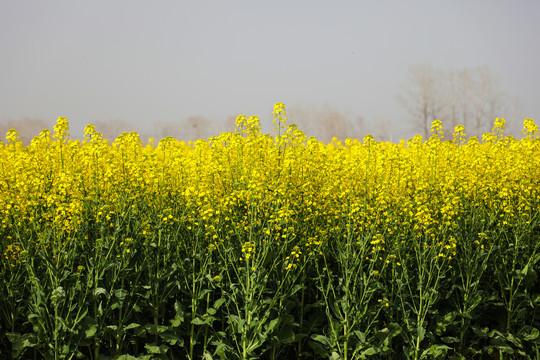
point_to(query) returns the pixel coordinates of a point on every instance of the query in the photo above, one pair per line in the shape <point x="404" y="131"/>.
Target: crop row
<point x="249" y="245"/>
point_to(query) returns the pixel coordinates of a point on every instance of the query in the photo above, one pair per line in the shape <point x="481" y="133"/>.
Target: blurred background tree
<point x="471" y="97"/>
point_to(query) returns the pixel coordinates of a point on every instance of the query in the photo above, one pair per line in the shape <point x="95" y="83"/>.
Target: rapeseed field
<point x="249" y="245"/>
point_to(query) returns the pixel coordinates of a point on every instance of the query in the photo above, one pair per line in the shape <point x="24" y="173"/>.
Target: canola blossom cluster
<point x="247" y="181"/>
<point x="276" y="210"/>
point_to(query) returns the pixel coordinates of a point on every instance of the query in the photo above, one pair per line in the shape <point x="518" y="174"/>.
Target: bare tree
<point x="469" y="97"/>
<point x="424" y="95"/>
<point x="486" y="98"/>
<point x="325" y="122"/>
<point x="164" y="129"/>
<point x="112" y="129"/>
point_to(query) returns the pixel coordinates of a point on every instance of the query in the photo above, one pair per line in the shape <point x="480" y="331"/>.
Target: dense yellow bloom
<point x="248" y="249"/>
<point x="283" y="188"/>
<point x="12" y="254"/>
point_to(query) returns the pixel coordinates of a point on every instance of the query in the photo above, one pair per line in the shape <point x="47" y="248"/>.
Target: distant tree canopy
<point x="325" y="122"/>
<point x="470" y="97"/>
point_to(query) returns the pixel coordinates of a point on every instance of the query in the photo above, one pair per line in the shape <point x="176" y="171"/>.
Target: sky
<point x="145" y="63"/>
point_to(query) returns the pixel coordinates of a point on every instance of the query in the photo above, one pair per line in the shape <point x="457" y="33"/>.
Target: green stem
<point x="247" y="314"/>
<point x="120" y="322"/>
<point x="193" y="312"/>
<point x="206" y="327"/>
<point x="299" y="351"/>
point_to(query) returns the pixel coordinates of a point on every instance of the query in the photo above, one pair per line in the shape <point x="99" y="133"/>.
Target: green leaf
<point x="500" y="344"/>
<point x="271" y="326"/>
<point x="143" y="357"/>
<point x="156" y="329"/>
<point x="65" y="350"/>
<point x="334" y="309"/>
<point x="528" y="333"/>
<point x="197" y="321"/>
<point x="100" y="291"/>
<point x="179" y="318"/>
<point x="91" y="331"/>
<point x="334" y="356"/>
<point x="222" y="349"/>
<point x="482" y="333"/>
<point x="236" y="322"/>
<point x="202" y="294"/>
<point x="254" y="324"/>
<point x="395" y="329"/>
<point x="139" y="331"/>
<point x="81" y="316"/>
<point x="296" y="288"/>
<point x="219" y="302"/>
<point x="407" y="351"/>
<point x="21" y="342"/>
<point x="360" y="335"/>
<point x="368" y="352"/>
<point x="323" y="340"/>
<point x="153" y="349"/>
<point x="131" y="326"/>
<point x="285" y="335"/>
<point x="211" y="311"/>
<point x="525" y="269"/>
<point x="420" y="331"/>
<point x="436" y="351"/>
<point x="34" y="319"/>
<point x="450" y="339"/>
<point x="172" y="339"/>
<point x="177" y="321"/>
<point x="254" y="345"/>
<point x="318" y="348"/>
<point x="474" y="302"/>
<point x="382" y="334"/>
<point x="494" y="333"/>
<point x="120" y="294"/>
<point x="513" y="340"/>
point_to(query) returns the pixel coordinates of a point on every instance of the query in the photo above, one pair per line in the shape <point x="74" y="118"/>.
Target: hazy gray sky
<point x="143" y="62"/>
